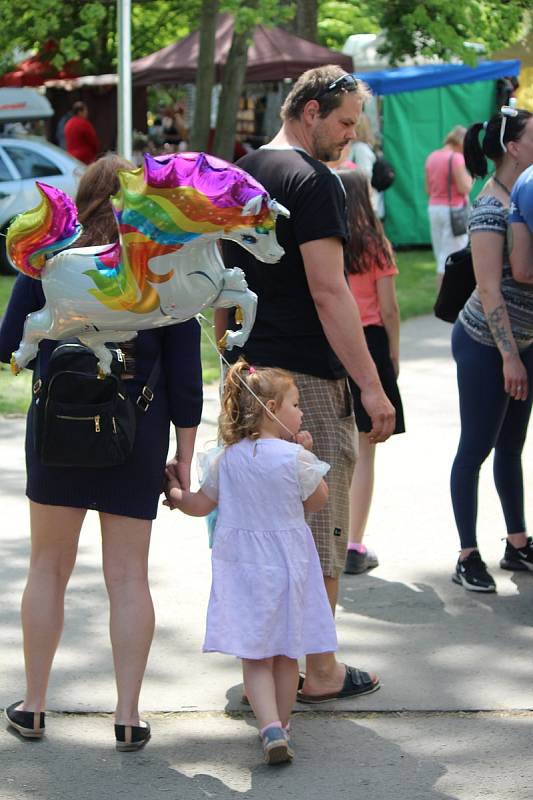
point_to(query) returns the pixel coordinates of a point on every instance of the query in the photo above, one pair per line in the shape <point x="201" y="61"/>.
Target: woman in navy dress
<point x="125" y="496"/>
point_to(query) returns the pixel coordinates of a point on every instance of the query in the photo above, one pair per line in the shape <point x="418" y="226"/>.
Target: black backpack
<point x="80" y="418"/>
<point x="383" y="174"/>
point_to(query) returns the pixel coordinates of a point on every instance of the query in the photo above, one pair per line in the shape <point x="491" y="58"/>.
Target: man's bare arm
<point x="339" y="315"/>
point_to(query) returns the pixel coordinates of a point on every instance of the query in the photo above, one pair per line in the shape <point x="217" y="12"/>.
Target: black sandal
<point x="132" y="737"/>
<point x="356" y="683"/>
<point x="29" y="724"/>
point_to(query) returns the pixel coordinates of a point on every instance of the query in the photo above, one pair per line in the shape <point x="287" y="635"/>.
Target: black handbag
<point x="80" y="418"/>
<point x="457" y="285"/>
<point x="458" y="216"/>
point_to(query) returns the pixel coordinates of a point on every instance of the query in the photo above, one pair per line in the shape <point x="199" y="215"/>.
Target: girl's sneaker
<point x="276" y="746"/>
<point x="287" y="732"/>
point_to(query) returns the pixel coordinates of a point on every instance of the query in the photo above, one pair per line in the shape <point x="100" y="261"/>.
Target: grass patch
<point x="416" y="285"/>
<point x="6" y="286"/>
<point x="416" y="294"/>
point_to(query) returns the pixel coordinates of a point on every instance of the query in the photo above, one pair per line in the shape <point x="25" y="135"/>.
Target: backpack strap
<point x="147" y="392"/>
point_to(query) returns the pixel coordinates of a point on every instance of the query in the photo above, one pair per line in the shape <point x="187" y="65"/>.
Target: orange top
<point x="364" y="289"/>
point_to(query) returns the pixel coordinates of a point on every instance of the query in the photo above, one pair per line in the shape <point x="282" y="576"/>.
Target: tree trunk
<point x="205" y="76"/>
<point x="307" y="20"/>
<point x="232" y="84"/>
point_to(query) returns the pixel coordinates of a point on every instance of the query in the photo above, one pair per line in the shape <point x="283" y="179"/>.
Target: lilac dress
<point x="267" y="596"/>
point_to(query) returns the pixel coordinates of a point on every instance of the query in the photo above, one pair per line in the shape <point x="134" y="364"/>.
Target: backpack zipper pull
<point x="97" y="423"/>
<point x="113" y="424"/>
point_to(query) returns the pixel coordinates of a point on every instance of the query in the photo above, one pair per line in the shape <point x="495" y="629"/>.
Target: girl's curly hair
<point x="241" y="413"/>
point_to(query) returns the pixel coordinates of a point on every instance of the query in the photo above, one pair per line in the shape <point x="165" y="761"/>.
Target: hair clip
<point x="506" y="111"/>
<point x="251" y="370"/>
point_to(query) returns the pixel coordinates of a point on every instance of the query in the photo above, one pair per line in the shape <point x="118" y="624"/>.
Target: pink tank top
<point x="437" y="164"/>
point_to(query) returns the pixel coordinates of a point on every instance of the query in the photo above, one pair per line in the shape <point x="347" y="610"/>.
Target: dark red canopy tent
<point x="37" y="69"/>
<point x="273" y="55"/>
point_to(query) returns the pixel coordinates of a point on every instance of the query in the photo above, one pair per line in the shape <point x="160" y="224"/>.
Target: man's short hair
<point x="312" y="85"/>
<point x="78" y="107"/>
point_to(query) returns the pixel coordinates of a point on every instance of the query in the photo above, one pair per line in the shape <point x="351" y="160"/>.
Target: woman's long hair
<point x="242" y="413"/>
<point x="476" y="153"/>
<point x="367" y="244"/>
<point x="98" y="183"/>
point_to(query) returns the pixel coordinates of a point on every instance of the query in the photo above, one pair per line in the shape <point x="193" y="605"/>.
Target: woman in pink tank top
<point x="437" y="170"/>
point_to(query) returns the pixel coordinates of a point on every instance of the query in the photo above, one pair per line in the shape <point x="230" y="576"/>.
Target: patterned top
<point x="489" y="214"/>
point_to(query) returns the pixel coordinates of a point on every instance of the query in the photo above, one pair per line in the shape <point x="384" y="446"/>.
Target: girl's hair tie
<point x="251" y="370"/>
<point x="485" y="125"/>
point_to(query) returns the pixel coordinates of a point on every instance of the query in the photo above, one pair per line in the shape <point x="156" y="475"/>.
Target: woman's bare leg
<point x="55" y="533"/>
<point x="286" y="683"/>
<point x="361" y="489"/>
<point x="125" y="547"/>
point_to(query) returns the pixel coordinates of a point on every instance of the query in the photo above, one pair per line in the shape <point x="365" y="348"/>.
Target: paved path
<point x="439" y="650"/>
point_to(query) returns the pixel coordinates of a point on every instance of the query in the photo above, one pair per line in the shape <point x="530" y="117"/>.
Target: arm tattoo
<point x="495" y="321"/>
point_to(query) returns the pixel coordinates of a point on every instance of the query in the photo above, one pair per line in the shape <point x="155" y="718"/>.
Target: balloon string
<point x="201" y="318"/>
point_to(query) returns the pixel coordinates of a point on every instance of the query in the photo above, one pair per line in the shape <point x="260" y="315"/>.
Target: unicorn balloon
<point x="166" y="266"/>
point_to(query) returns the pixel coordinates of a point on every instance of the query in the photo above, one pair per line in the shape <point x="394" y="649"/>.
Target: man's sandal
<point x="356" y="683"/>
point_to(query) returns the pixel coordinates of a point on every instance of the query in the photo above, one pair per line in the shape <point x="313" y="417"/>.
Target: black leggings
<point x="490" y="418"/>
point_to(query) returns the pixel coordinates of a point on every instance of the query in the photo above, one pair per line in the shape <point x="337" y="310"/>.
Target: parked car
<point x="23" y="160"/>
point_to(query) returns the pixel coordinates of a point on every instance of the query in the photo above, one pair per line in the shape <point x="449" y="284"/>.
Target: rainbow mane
<point x="171" y="202"/>
<point x="44" y="230"/>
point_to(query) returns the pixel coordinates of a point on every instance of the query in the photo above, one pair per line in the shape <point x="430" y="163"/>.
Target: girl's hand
<point x="515" y="377"/>
<point x="305" y="439"/>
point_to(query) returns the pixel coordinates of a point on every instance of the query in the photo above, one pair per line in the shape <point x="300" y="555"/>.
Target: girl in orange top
<point x="371" y="275"/>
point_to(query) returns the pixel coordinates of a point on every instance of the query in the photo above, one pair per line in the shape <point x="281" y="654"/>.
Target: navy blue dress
<point x="133" y="488"/>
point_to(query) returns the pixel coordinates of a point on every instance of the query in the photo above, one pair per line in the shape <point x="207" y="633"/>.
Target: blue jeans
<point x="490" y="418"/>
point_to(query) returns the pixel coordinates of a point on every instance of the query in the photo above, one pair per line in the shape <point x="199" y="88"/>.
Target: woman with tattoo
<point x="492" y="343"/>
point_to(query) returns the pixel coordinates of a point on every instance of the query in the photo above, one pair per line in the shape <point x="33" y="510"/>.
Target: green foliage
<point x="265" y="12"/>
<point x="85" y="30"/>
<point x="440" y="28"/>
<point x="338" y="19"/>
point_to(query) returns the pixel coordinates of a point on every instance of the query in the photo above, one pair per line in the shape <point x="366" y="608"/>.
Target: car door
<point x="22" y="163"/>
<point x="12" y="195"/>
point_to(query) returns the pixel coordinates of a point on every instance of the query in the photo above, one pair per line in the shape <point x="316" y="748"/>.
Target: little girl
<point x="371" y="275"/>
<point x="268" y="604"/>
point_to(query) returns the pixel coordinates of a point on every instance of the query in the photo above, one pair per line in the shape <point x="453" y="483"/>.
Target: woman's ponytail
<point x="475" y="160"/>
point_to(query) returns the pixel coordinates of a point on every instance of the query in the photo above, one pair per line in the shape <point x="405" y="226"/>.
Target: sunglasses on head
<point x="345" y="83"/>
<point x="506" y="111"/>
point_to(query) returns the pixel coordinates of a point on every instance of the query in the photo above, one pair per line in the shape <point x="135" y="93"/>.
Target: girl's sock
<point x="275" y="724"/>
<point x="359" y="547"/>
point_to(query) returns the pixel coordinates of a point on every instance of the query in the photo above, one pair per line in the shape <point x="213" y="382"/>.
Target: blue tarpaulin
<point x="431" y="76"/>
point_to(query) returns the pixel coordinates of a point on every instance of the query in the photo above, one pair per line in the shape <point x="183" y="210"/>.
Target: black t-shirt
<point x="287" y="332"/>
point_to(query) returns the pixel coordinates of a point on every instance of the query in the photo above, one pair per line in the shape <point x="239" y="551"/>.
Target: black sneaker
<point x="472" y="574"/>
<point x="356" y="562"/>
<point x="518" y="558"/>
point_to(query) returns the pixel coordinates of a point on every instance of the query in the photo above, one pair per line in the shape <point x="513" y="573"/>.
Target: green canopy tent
<point x="420" y="106"/>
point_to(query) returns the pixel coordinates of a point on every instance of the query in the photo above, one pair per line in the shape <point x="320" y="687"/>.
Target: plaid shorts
<point x="328" y="416"/>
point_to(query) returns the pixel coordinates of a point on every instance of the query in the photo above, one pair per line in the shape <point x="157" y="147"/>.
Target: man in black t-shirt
<point x="308" y="322"/>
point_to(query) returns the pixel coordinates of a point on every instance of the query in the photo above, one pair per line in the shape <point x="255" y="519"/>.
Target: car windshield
<point x="30" y="163"/>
